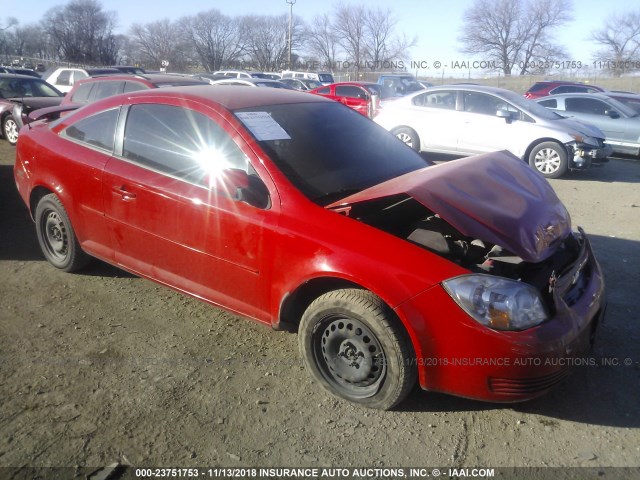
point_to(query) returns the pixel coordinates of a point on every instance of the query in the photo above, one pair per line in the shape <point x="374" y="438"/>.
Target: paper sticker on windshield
<point x="263" y="126"/>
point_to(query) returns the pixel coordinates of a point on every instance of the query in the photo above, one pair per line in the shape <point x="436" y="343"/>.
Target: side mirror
<point x="232" y="181"/>
<point x="506" y="114"/>
<point x="242" y="187"/>
<point x="612" y="114"/>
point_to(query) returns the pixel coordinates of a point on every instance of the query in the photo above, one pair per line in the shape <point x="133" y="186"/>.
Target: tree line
<point x="517" y="35"/>
<point x="82" y="32"/>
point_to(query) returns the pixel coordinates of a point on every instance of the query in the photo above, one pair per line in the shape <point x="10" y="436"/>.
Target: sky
<point x="437" y="24"/>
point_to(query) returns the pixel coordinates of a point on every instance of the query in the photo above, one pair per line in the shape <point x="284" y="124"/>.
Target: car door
<point x="172" y="221"/>
<point x="434" y="117"/>
<point x="353" y="97"/>
<point x="90" y="142"/>
<point x="482" y="130"/>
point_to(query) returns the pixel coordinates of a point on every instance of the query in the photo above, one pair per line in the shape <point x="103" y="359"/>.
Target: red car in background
<point x="554" y="87"/>
<point x="291" y="210"/>
<point x="363" y="97"/>
<point x="95" y="88"/>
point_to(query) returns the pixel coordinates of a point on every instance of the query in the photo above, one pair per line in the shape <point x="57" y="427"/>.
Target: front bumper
<point x="582" y="155"/>
<point x="457" y="355"/>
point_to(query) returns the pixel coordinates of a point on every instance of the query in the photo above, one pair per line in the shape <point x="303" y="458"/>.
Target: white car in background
<point x="472" y="119"/>
<point x="63" y="78"/>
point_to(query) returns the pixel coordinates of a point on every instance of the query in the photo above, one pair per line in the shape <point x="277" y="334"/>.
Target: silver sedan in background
<point x="472" y="119"/>
<point x="619" y="122"/>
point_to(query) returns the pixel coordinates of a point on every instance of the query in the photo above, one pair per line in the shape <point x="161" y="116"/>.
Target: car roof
<point x="623" y="95"/>
<point x="148" y="77"/>
<point x="600" y="95"/>
<point x="222" y="81"/>
<point x="20" y="76"/>
<point x="230" y="97"/>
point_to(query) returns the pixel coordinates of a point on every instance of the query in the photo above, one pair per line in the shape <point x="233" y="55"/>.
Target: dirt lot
<point x="104" y="367"/>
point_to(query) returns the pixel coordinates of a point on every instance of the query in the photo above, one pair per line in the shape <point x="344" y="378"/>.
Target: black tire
<point x="549" y="159"/>
<point x="56" y="236"/>
<point x="356" y="348"/>
<point x="10" y="129"/>
<point x="408" y="136"/>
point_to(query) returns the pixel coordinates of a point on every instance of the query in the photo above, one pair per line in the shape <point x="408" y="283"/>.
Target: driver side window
<point x="180" y="142"/>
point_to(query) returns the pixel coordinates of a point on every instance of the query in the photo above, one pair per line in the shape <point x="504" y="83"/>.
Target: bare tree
<point x="321" y="41"/>
<point x="620" y="39"/>
<point x="512" y="33"/>
<point x="160" y="41"/>
<point x="8" y="23"/>
<point x="216" y="38"/>
<point x="28" y="41"/>
<point x="82" y="32"/>
<point x="267" y="39"/>
<point x="350" y="30"/>
<point x="381" y="47"/>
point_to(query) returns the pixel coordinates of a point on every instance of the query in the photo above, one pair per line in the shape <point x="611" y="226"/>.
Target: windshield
<point x="328" y="151"/>
<point x="24" y="87"/>
<point x="530" y="106"/>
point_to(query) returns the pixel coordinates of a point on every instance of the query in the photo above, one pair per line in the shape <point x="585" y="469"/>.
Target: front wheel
<point x="57" y="239"/>
<point x="10" y="129"/>
<point x="354" y="346"/>
<point x="409" y="137"/>
<point x="549" y="159"/>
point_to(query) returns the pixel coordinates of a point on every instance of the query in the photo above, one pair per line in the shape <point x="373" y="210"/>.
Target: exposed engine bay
<point x="404" y="217"/>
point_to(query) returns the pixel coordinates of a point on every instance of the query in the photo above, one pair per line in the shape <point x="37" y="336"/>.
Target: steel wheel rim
<point x="547" y="160"/>
<point x="11" y="131"/>
<point x="405" y="138"/>
<point x="54" y="235"/>
<point x="349" y="356"/>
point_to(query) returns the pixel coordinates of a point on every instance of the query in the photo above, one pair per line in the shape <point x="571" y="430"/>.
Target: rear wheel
<point x="354" y="346"/>
<point x="409" y="137"/>
<point x="56" y="235"/>
<point x="10" y="129"/>
<point x="549" y="159"/>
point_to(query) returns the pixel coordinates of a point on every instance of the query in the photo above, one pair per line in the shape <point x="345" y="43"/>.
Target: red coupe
<point x="363" y="97"/>
<point x="297" y="212"/>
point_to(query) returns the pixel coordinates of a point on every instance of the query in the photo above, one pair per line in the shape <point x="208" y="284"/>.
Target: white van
<point x="323" y="77"/>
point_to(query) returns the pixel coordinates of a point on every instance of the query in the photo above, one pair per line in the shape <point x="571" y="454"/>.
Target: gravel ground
<point x="103" y="367"/>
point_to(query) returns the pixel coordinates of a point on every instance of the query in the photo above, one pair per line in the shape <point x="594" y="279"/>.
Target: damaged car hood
<point x="495" y="197"/>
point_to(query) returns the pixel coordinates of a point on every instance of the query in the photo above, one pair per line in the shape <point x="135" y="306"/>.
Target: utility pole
<point x="291" y="4"/>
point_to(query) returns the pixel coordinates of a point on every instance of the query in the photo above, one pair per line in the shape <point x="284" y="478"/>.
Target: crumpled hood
<point x="495" y="197"/>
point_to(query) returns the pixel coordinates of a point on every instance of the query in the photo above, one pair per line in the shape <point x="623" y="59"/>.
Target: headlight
<point x="584" y="139"/>
<point x="496" y="302"/>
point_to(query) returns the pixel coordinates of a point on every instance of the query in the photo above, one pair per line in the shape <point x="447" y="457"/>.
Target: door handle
<point x="124" y="193"/>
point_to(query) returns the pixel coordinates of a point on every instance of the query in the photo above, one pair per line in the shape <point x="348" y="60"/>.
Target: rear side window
<point x="551" y="103"/>
<point x="134" y="87"/>
<point x="107" y="89"/>
<point x="350" y="91"/>
<point x="97" y="130"/>
<point x="82" y="93"/>
<point x="568" y="89"/>
<point x="179" y="142"/>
